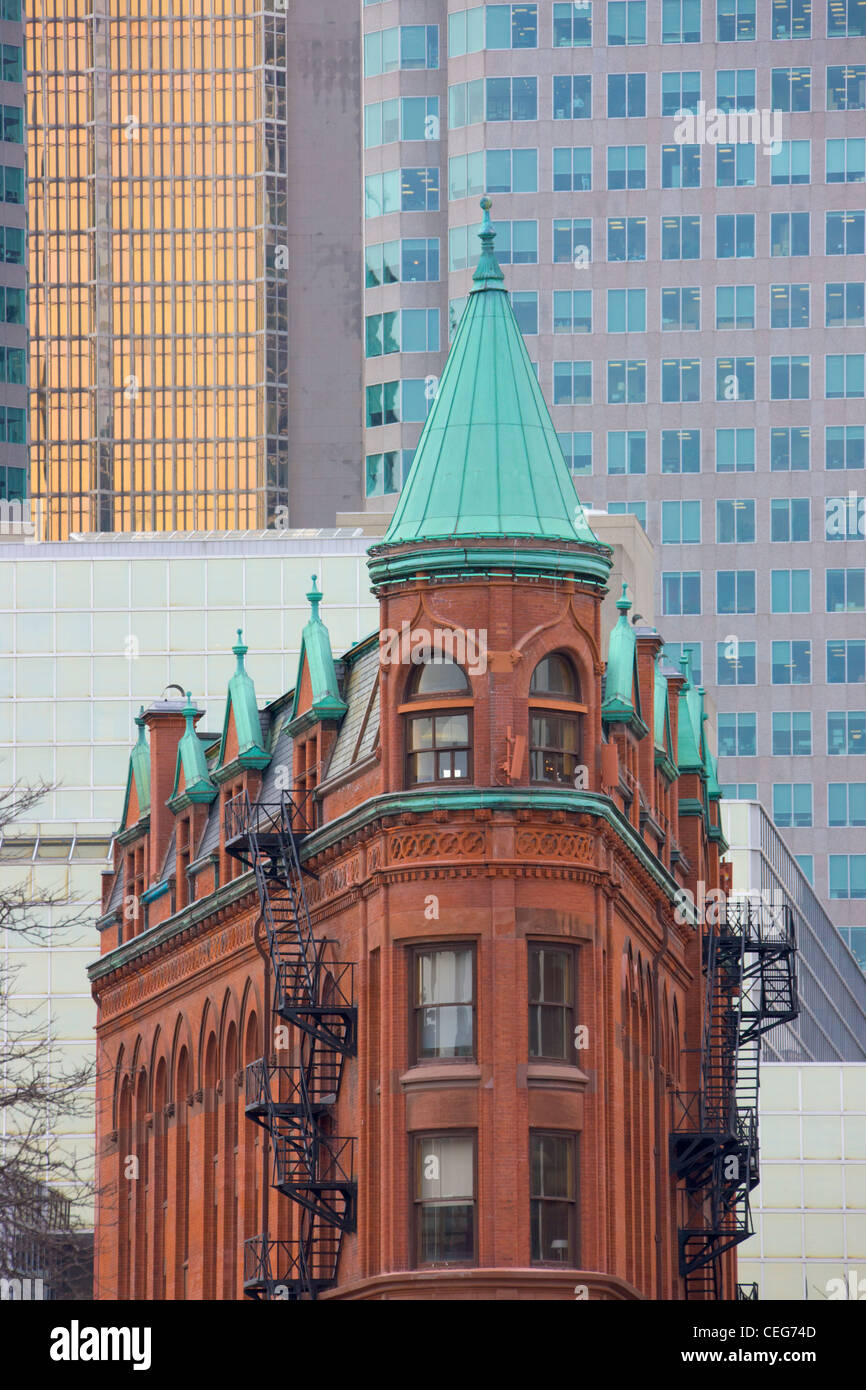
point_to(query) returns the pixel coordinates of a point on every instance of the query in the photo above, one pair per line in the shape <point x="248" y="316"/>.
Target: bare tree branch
<point x="41" y="1096"/>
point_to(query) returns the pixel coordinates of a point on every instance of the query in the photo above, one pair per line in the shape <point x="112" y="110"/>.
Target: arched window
<point x="439" y="678"/>
<point x="141" y="1187"/>
<point x="554" y="675"/>
<point x="126" y="1190"/>
<point x="160" y="1173"/>
<point x="439" y="734"/>
<point x="230" y="1148"/>
<point x="182" y="1193"/>
<point x="210" y="1175"/>
<point x="555" y="719"/>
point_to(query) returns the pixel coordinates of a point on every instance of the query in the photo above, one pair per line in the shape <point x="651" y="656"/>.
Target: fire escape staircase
<point x="750" y="987"/>
<point x="294" y="1102"/>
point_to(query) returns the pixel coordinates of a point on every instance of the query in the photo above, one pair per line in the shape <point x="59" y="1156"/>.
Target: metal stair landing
<point x="749" y="964"/>
<point x="294" y="1102"/>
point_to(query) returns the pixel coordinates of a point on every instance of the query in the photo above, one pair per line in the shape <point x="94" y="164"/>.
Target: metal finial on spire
<point x="315" y="598"/>
<point x="239" y="649"/>
<point x="488" y="268"/>
<point x="623" y="603"/>
<point x="189" y="712"/>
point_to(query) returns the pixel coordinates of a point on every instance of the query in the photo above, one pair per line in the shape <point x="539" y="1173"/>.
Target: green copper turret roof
<point x="139" y="772"/>
<point x="316" y="647"/>
<point x="690" y="757"/>
<point x="489" y="464"/>
<point x="242" y="702"/>
<point x="621" y="689"/>
<point x="197" y="784"/>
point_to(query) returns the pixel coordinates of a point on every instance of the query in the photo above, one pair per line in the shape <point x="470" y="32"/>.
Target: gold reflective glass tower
<point x="168" y="259"/>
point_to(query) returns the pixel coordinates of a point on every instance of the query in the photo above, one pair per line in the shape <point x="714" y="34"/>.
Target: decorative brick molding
<point x="444" y="844"/>
<point x="175" y="969"/>
<point x="555" y="845"/>
<point x="335" y="880"/>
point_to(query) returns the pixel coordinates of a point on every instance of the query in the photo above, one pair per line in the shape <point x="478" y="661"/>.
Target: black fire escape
<point x="294" y="1102"/>
<point x="751" y="986"/>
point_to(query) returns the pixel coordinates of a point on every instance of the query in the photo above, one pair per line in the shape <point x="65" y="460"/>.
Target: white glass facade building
<point x="810" y="1207"/>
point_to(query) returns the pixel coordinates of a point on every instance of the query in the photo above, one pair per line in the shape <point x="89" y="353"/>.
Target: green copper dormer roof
<point x="191" y="760"/>
<point x="661" y="713"/>
<point x="139" y="772"/>
<point x="621" y="689"/>
<point x="713" y="790"/>
<point x="689" y="724"/>
<point x="316" y="648"/>
<point x="662" y="735"/>
<point x="241" y="702"/>
<point x="711" y="766"/>
<point x="489" y="465"/>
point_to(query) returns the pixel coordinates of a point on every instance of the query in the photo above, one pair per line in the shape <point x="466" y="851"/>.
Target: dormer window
<point x="438" y="725"/>
<point x="555" y="717"/>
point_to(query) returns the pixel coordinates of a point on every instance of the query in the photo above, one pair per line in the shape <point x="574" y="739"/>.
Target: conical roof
<point x="327" y="702"/>
<point x="489" y="464"/>
<point x="242" y="704"/>
<point x="192" y="761"/>
<point x="621" y="687"/>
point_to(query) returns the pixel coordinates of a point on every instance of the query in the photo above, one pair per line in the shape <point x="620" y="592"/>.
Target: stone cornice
<point x="156" y="938"/>
<point x="132" y="988"/>
<point x="533" y="799"/>
<point x="239" y="766"/>
<point x="134" y="832"/>
<point x="462" y="845"/>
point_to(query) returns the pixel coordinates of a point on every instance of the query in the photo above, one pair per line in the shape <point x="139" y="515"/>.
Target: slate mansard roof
<point x="353" y="687"/>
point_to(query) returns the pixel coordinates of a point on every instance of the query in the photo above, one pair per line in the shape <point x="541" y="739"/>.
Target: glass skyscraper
<point x="193" y="222"/>
<point x="13" y="270"/>
<point x="678" y="190"/>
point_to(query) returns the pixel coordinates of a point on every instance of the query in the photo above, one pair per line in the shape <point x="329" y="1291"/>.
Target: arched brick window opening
<point x="124" y="1188"/>
<point x="230" y="1150"/>
<point x="438" y="725"/>
<point x="665" y="1034"/>
<point x="140" y="1187"/>
<point x="555" y="721"/>
<point x="160" y="1180"/>
<point x="210" y="1172"/>
<point x="629" y="1136"/>
<point x="252" y="1143"/>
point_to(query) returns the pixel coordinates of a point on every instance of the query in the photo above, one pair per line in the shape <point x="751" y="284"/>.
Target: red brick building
<point x="398" y="994"/>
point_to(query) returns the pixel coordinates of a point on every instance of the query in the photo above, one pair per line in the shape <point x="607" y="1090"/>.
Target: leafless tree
<point x="40" y="1184"/>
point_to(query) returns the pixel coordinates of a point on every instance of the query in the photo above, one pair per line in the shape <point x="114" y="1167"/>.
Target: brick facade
<point x="185" y="996"/>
